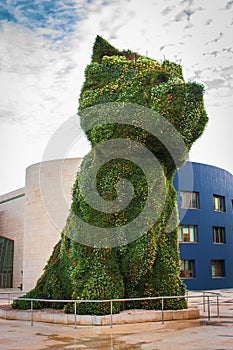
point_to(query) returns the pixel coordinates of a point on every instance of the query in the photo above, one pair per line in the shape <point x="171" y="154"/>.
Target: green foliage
<point x="103" y="48"/>
<point x="108" y="177"/>
<point x="149" y="266"/>
<point x="96" y="276"/>
<point x="182" y="104"/>
<point x="55" y="282"/>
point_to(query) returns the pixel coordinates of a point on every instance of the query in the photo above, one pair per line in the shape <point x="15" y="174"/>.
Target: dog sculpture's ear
<point x="103" y="48"/>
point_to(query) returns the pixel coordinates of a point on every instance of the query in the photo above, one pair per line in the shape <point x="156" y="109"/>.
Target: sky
<point x="46" y="45"/>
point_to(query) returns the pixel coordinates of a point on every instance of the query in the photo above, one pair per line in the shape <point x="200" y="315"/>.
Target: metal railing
<point x="205" y="296"/>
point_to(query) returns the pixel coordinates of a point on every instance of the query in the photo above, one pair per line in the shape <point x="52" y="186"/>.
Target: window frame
<point x="220" y="267"/>
<point x="182" y="234"/>
<point x="185" y="271"/>
<point x="221" y="205"/>
<point x="6" y="262"/>
<point x="219" y="231"/>
<point x="186" y="200"/>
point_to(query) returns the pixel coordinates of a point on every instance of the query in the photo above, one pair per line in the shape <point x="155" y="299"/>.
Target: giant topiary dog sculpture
<point x="149" y="264"/>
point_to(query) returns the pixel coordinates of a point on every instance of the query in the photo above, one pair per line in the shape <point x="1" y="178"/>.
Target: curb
<point x="124" y="317"/>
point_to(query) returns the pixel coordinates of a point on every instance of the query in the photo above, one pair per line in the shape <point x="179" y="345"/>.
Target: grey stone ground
<point x="216" y="334"/>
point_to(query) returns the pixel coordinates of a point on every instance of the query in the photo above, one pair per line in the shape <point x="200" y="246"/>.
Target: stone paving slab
<point x="174" y="335"/>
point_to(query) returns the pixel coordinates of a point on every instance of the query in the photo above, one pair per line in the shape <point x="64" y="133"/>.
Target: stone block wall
<point x="12" y="227"/>
<point x="47" y="200"/>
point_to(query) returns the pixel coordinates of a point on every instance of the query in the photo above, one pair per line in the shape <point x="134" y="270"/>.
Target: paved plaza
<point x="213" y="334"/>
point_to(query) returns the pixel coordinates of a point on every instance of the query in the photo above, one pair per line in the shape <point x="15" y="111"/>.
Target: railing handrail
<point x="126" y="299"/>
<point x="113" y="300"/>
<point x="214" y="293"/>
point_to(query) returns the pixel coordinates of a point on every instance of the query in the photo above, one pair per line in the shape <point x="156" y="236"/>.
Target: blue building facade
<point x="205" y="204"/>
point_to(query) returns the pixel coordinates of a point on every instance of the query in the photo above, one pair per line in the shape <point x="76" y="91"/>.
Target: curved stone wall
<point x="47" y="199"/>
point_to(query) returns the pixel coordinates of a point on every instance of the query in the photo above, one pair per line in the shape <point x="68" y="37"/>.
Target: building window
<point x="189" y="200"/>
<point x="219" y="203"/>
<point x="188" y="233"/>
<point x="6" y="262"/>
<point x="219" y="234"/>
<point x="217" y="268"/>
<point x="187" y="269"/>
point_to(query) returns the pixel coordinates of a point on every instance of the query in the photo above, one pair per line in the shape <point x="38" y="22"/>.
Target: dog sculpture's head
<point x="127" y="77"/>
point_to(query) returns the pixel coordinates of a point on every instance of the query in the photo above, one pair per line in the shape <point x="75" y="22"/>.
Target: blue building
<point x="205" y="204"/>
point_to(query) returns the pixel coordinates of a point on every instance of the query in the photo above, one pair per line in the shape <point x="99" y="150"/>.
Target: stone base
<point x="124" y="317"/>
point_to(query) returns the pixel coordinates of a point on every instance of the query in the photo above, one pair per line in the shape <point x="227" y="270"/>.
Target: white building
<point x="31" y="220"/>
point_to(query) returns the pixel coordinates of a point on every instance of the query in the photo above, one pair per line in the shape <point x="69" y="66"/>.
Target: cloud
<point x="167" y="10"/>
<point x="36" y="77"/>
<point x="214" y="83"/>
<point x="229" y="5"/>
<point x="57" y="16"/>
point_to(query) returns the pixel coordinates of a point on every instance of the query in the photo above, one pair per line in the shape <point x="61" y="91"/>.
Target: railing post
<point x="75" y="315"/>
<point x="162" y="311"/>
<point x="203" y="301"/>
<point x="31" y="312"/>
<point x="9" y="298"/>
<point x="217" y="305"/>
<point x="208" y="300"/>
<point x="111" y="314"/>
